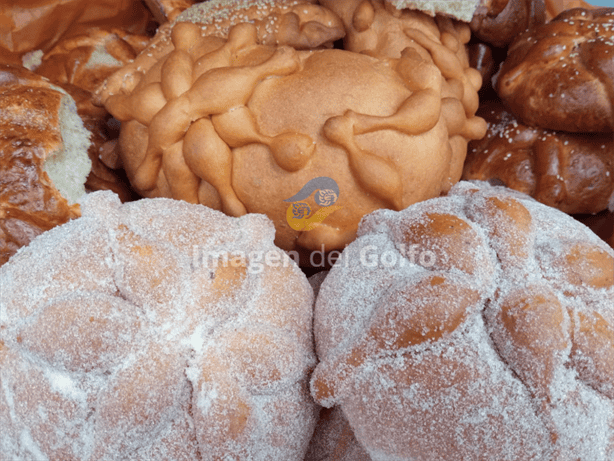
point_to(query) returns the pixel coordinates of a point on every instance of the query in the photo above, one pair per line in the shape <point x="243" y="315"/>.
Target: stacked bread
<point x="74" y="56"/>
<point x="552" y="133"/>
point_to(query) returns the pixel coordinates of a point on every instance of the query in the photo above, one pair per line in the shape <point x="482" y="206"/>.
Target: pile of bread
<point x="168" y="166"/>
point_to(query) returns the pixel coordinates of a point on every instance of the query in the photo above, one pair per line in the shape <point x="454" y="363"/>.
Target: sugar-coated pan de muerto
<point x="155" y="330"/>
<point x="479" y="325"/>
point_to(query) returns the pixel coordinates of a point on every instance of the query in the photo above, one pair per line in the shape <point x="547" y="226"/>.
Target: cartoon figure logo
<point x="299" y="215"/>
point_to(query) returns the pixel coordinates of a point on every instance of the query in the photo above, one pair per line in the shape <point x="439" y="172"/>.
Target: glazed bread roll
<point x="479" y="325"/>
<point x="559" y="76"/>
<point x="573" y="172"/>
<point x="155" y="330"/>
<point x="244" y="126"/>
<point x="43" y="158"/>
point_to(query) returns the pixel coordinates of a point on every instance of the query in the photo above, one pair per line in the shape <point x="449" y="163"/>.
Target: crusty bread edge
<point x="69" y="166"/>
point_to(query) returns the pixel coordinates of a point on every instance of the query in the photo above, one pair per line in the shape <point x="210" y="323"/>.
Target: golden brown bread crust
<point x="87" y="59"/>
<point x="482" y="314"/>
<point x="573" y="172"/>
<point x="499" y="22"/>
<point x="297" y="23"/>
<point x="40" y="24"/>
<point x="559" y="76"/>
<point x="29" y="131"/>
<point x="156" y="328"/>
<point x="214" y="113"/>
<point x="481" y="59"/>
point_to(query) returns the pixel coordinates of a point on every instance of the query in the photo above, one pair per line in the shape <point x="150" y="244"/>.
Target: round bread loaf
<point x="560" y="75"/>
<point x="573" y="172"/>
<point x="43" y="157"/>
<point x="243" y="126"/>
<point x="155" y="330"/>
<point x="479" y="325"/>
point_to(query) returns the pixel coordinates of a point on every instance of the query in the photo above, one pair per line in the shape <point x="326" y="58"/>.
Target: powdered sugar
<point x="138" y="325"/>
<point x="492" y="351"/>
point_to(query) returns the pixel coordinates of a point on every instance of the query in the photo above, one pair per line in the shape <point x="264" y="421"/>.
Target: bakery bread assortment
<point x="43" y="157"/>
<point x="86" y="60"/>
<point x="551" y="134"/>
<point x="156" y="330"/>
<point x="39" y="24"/>
<point x="573" y="172"/>
<point x="476" y="325"/>
<point x="212" y="114"/>
<point x="80" y="64"/>
<point x="463" y="320"/>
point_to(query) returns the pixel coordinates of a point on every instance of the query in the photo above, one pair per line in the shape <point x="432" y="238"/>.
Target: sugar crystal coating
<point x="155" y="330"/>
<point x="504" y="351"/>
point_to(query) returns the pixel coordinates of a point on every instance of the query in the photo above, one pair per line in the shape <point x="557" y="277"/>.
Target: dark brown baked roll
<point x="560" y="76"/>
<point x="569" y="171"/>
